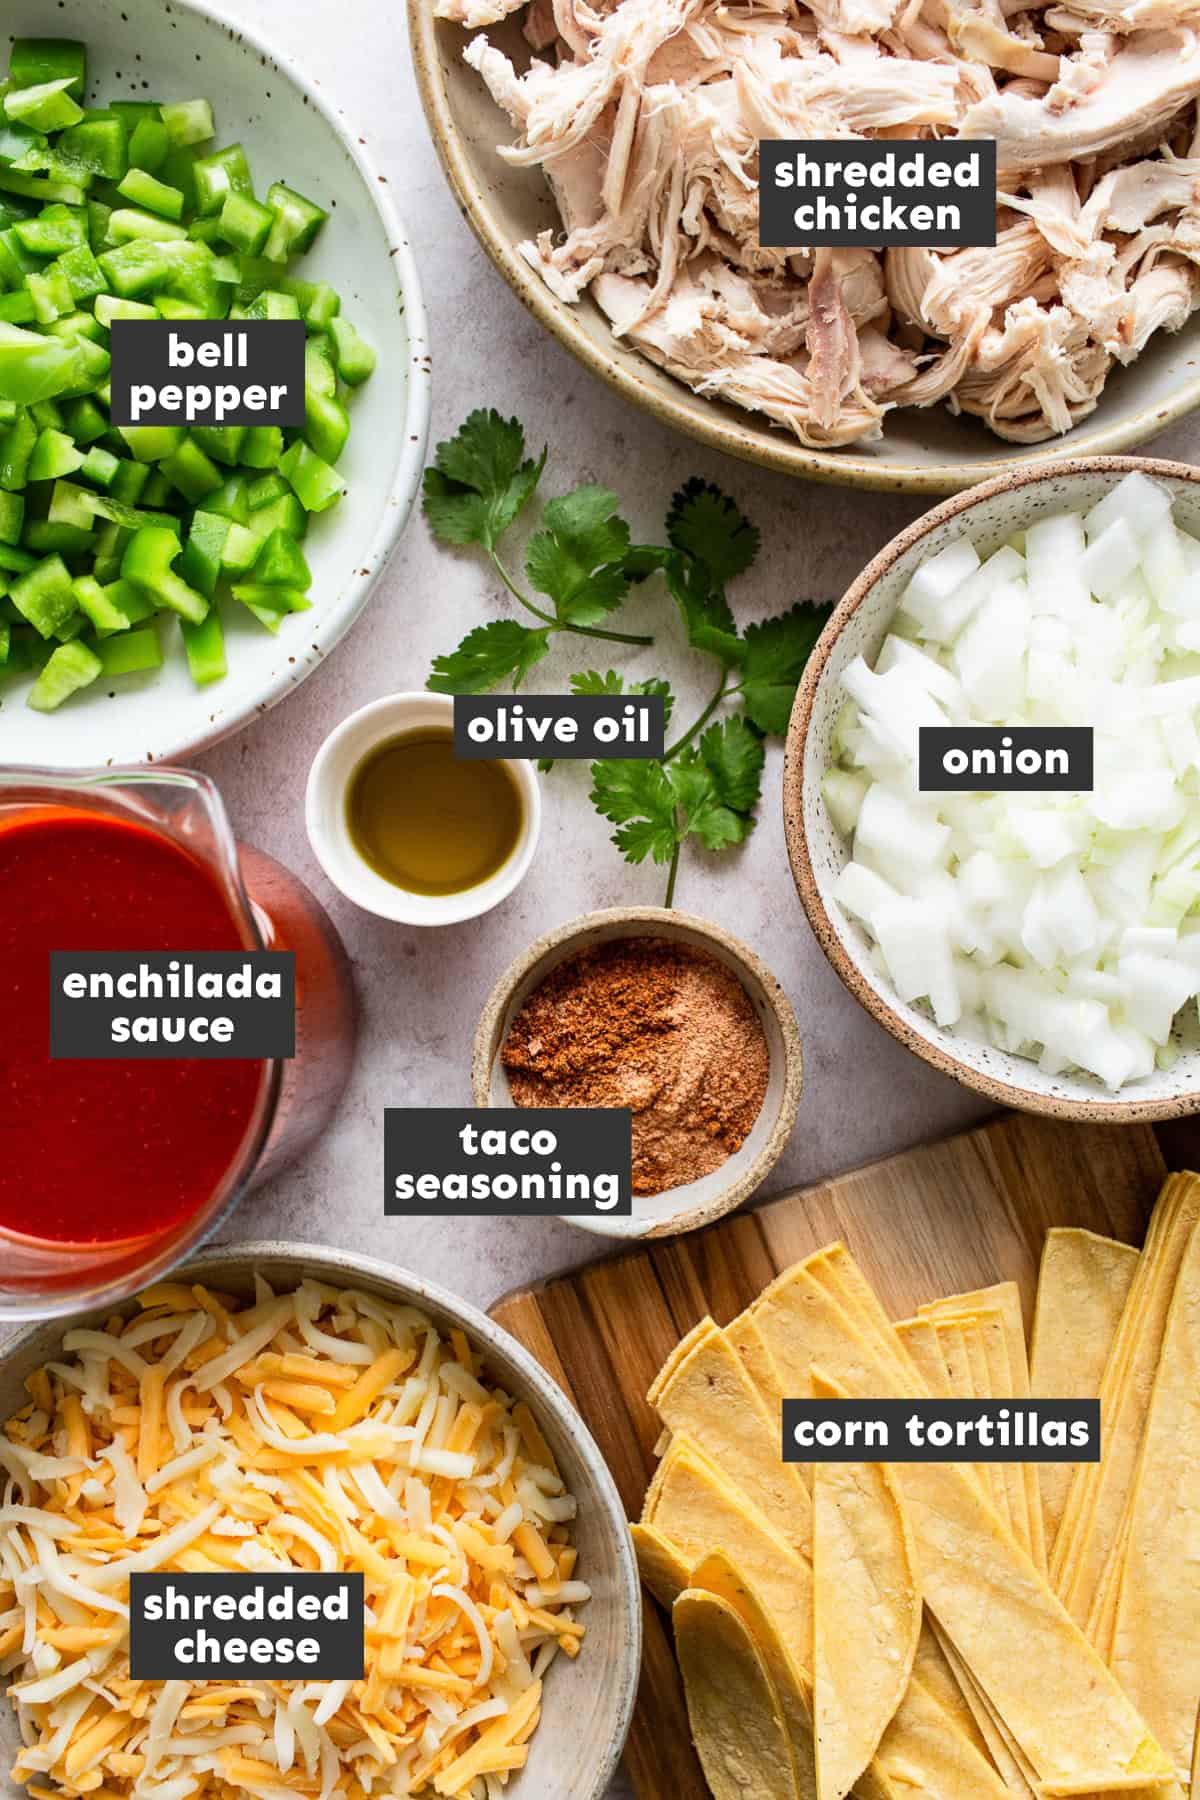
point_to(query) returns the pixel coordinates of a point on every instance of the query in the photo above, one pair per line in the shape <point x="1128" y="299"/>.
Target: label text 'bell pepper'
<point x="222" y="1003"/>
<point x="207" y="372"/>
<point x="276" y="1627"/>
<point x="473" y="1162"/>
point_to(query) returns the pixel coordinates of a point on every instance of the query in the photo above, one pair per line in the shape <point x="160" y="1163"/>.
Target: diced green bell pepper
<point x="17" y="309"/>
<point x="188" y="121"/>
<point x="155" y="196"/>
<point x="71" y="667"/>
<point x="205" y="646"/>
<point x="148" y="145"/>
<point x="191" y="471"/>
<point x="131" y="653"/>
<point x="44" y="190"/>
<point x="147" y="564"/>
<point x="12" y="514"/>
<point x="82" y="272"/>
<point x="150" y="443"/>
<point x="355" y="359"/>
<point x="283" y="514"/>
<point x="281" y="563"/>
<point x="84" y="420"/>
<point x="100" y="466"/>
<point x="201" y="561"/>
<point x="326" y="425"/>
<point x="36" y="60"/>
<point x="54" y="454"/>
<point x="47" y="106"/>
<point x="130" y="224"/>
<point x="68" y="506"/>
<point x="55" y="229"/>
<point x="316" y="485"/>
<point x="297" y="222"/>
<point x="270" y="605"/>
<point x="245" y="223"/>
<point x="130" y="480"/>
<point x="263" y="447"/>
<point x="222" y="442"/>
<point x="265" y="489"/>
<point x="95" y="147"/>
<point x="230" y="500"/>
<point x="92" y="599"/>
<point x="224" y="172"/>
<point x="33" y="367"/>
<point x="16" y="447"/>
<point x="108" y="308"/>
<point x="44" y="595"/>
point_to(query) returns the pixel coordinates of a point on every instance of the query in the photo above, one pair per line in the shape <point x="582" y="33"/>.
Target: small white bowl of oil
<point x="411" y="832"/>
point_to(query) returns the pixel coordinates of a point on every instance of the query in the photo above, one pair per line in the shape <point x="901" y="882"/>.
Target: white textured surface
<point x="422" y="992"/>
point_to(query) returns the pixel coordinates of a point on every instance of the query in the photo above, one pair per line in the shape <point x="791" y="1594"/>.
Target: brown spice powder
<point x="659" y="1027"/>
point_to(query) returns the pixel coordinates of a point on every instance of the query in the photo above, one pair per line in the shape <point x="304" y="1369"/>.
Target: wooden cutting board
<point x="937" y="1220"/>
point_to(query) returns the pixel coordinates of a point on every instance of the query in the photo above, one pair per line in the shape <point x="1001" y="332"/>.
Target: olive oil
<point x="428" y="822"/>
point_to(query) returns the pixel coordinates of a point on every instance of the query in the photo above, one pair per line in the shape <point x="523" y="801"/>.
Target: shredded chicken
<point x="646" y="115"/>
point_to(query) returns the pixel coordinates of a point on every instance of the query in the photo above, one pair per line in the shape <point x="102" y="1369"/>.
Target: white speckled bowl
<point x="922" y="451"/>
<point x="697" y="1202"/>
<point x="175" y="49"/>
<point x="987" y="515"/>
<point x="588" y="1702"/>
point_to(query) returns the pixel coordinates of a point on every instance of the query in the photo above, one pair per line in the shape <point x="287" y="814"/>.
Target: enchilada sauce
<point x="99" y="1152"/>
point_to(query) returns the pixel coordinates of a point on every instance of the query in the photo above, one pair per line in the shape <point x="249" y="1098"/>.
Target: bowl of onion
<point x="1040" y="944"/>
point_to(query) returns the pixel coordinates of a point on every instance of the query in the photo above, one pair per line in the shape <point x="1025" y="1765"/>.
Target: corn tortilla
<point x="866" y="1614"/>
<point x="733" y="1709"/>
<point x="1083" y="1285"/>
<point x="707" y="1394"/>
<point x="989" y="1596"/>
<point x="717" y="1574"/>
<point x="1158" y="1613"/>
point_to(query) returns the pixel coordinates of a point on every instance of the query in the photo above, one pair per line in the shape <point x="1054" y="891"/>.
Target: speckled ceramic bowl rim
<point x="762" y="445"/>
<point x="647" y="921"/>
<point x="332" y="623"/>
<point x="328" y="1263"/>
<point x="828" y="934"/>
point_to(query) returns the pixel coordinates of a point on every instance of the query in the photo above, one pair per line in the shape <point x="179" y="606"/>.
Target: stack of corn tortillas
<point x="938" y="1631"/>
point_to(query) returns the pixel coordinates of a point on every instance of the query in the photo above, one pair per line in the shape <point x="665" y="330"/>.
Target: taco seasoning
<point x="658" y="1026"/>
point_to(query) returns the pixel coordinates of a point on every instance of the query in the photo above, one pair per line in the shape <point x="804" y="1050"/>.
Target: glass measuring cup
<point x="267" y="908"/>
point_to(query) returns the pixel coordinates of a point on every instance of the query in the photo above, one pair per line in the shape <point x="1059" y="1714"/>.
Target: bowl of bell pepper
<point x="160" y="585"/>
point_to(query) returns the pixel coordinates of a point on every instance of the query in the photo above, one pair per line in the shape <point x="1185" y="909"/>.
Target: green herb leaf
<point x="590" y="681"/>
<point x="487" y="655"/>
<point x="480" y="481"/>
<point x="732" y="752"/>
<point x="640" y="800"/>
<point x="715" y="824"/>
<point x="776" y="652"/>
<point x="578" y="560"/>
<point x="709" y="624"/>
<point x="710" y="527"/>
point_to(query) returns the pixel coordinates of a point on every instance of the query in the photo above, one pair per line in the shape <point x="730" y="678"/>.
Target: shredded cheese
<point x="318" y="1429"/>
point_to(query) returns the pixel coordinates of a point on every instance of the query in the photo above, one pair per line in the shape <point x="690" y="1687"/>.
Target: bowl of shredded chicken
<point x="606" y="152"/>
<point x="305" y="1410"/>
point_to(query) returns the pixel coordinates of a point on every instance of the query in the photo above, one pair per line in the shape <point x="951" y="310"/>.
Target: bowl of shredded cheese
<point x="277" y="1407"/>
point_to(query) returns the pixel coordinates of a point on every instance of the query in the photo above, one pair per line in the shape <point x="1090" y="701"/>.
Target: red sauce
<point x="102" y="1152"/>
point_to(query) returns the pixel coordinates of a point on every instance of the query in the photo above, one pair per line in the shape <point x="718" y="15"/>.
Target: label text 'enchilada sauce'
<point x="98" y="1152"/>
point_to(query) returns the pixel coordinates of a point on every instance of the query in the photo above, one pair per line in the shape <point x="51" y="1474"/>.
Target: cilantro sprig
<point x="479" y="484"/>
<point x="708" y="782"/>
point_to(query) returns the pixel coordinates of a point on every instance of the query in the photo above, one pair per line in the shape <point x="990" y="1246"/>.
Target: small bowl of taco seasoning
<point x="671" y="1017"/>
